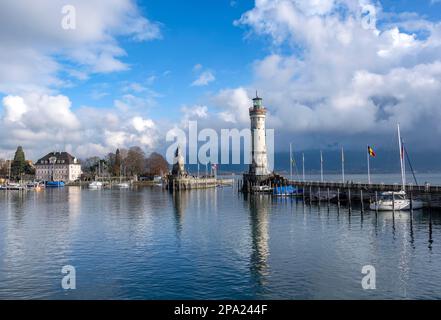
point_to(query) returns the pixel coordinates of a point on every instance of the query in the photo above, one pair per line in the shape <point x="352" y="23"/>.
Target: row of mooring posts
<point x="317" y="196"/>
<point x="350" y="196"/>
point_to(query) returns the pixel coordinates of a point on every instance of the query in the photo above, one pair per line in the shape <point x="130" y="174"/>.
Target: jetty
<point x="348" y="193"/>
<point x="179" y="179"/>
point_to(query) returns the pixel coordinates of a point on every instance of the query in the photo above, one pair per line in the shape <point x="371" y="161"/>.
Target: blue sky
<point x="326" y="80"/>
<point x="197" y="32"/>
<point x="193" y="33"/>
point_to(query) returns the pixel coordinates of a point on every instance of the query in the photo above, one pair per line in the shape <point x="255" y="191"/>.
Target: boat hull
<point x="400" y="205"/>
<point x="95" y="185"/>
<point x="54" y="184"/>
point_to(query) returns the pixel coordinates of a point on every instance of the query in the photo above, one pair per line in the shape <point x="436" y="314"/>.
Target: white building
<point x="58" y="166"/>
<point x="259" y="165"/>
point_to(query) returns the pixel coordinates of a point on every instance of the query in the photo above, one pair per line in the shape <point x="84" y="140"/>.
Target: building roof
<point x="62" y="158"/>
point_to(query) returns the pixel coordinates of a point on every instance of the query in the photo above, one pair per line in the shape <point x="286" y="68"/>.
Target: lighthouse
<point x="259" y="159"/>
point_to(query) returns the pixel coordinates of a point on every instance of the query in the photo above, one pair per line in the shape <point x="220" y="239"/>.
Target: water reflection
<point x="259" y="208"/>
<point x="210" y="244"/>
<point x="179" y="206"/>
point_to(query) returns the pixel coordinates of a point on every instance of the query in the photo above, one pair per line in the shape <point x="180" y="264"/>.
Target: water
<point x="210" y="244"/>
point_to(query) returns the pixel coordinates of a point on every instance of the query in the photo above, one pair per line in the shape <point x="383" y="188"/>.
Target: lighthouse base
<point x="251" y="181"/>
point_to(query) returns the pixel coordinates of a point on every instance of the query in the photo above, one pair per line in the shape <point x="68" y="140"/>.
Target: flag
<point x="371" y="152"/>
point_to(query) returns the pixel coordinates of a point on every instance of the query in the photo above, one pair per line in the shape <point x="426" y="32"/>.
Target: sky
<point x="332" y="73"/>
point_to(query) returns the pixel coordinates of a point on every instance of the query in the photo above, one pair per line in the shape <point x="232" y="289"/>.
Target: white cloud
<point x="39" y="112"/>
<point x="141" y="125"/>
<point x="34" y="42"/>
<point x="204" y="79"/>
<point x="196" y="112"/>
<point x="43" y="123"/>
<point x="341" y="80"/>
<point x="234" y="105"/>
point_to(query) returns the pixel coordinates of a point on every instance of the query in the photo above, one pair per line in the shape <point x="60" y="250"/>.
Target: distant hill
<point x="386" y="161"/>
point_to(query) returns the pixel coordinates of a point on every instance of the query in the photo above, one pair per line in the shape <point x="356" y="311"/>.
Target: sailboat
<point x="121" y="185"/>
<point x="397" y="200"/>
<point x="95" y="185"/>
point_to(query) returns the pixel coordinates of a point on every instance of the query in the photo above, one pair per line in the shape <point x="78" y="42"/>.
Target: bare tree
<point x="135" y="161"/>
<point x="156" y="165"/>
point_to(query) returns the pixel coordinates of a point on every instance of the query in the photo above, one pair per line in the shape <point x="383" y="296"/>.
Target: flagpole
<point x="368" y="165"/>
<point x="343" y="164"/>
<point x="290" y="161"/>
<point x="321" y="166"/>
<point x="303" y="166"/>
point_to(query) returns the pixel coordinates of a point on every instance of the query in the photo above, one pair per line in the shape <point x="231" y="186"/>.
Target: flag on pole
<point x="371" y="152"/>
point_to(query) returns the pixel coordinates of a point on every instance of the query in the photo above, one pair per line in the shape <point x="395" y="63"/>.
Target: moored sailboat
<point x="397" y="200"/>
<point x="96" y="185"/>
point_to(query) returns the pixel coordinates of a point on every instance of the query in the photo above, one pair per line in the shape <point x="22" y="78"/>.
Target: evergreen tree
<point x="18" y="166"/>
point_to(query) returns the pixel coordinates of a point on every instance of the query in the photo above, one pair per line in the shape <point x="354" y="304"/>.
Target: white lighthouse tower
<point x="259" y="164"/>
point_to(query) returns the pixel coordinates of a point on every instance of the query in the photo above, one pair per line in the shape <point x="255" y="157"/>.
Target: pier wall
<point x="189" y="183"/>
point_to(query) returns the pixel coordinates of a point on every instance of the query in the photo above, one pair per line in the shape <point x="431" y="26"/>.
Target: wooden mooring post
<point x="338" y="199"/>
<point x="319" y="196"/>
<point x="310" y="195"/>
<point x="376" y="203"/>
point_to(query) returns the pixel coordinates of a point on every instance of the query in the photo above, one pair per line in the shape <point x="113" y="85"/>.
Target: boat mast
<point x="343" y="164"/>
<point x="303" y="166"/>
<point x="321" y="166"/>
<point x="403" y="172"/>
<point x="290" y="161"/>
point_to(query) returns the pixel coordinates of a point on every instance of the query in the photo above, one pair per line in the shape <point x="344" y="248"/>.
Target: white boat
<point x="262" y="189"/>
<point x="122" y="185"/>
<point x="15" y="186"/>
<point x="96" y="185"/>
<point x="390" y="201"/>
<point x="397" y="200"/>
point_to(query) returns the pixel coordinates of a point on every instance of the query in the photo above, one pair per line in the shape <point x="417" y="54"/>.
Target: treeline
<point x="126" y="162"/>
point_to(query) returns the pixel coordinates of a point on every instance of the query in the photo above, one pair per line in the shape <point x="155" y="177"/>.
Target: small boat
<point x="96" y="185"/>
<point x="54" y="184"/>
<point x="122" y="185"/>
<point x="35" y="186"/>
<point x="287" y="191"/>
<point x="393" y="200"/>
<point x="13" y="186"/>
<point x="390" y="201"/>
<point x="261" y="189"/>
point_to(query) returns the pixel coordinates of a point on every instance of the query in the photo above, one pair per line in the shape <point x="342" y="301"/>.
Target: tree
<point x="29" y="168"/>
<point x="110" y="162"/>
<point x="18" y="165"/>
<point x="156" y="165"/>
<point x="117" y="163"/>
<point x="90" y="165"/>
<point x="3" y="168"/>
<point x="135" y="161"/>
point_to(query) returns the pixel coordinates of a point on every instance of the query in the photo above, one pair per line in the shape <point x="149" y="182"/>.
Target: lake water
<point x="210" y="244"/>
